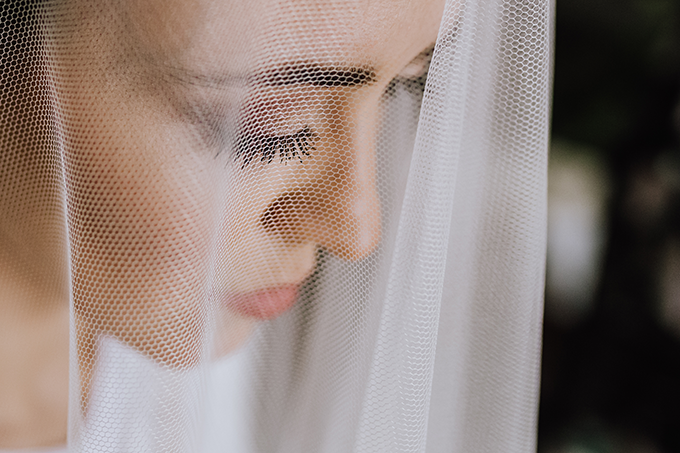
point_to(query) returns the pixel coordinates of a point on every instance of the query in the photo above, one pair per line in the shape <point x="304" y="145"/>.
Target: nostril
<point x="289" y="216"/>
<point x="348" y="227"/>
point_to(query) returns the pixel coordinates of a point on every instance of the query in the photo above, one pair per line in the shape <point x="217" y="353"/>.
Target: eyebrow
<point x="305" y="74"/>
<point x="313" y="74"/>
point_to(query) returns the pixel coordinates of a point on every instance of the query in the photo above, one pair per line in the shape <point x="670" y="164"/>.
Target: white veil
<point x="416" y="322"/>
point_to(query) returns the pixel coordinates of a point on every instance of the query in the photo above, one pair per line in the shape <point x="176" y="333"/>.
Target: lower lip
<point x="265" y="303"/>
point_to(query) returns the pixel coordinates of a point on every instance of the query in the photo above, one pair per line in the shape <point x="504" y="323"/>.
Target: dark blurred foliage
<point x="611" y="381"/>
<point x="616" y="71"/>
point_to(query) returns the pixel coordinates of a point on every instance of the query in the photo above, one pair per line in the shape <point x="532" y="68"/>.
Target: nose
<point x="337" y="206"/>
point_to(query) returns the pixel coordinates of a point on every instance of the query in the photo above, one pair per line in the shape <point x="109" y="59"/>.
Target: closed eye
<point x="267" y="148"/>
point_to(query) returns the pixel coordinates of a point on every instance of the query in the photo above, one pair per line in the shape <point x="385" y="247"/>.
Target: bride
<point x="195" y="132"/>
<point x="177" y="174"/>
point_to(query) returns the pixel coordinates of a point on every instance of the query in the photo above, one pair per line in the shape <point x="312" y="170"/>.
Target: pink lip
<point x="265" y="303"/>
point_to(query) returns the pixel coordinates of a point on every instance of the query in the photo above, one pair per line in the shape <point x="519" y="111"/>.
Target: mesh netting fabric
<point x="273" y="226"/>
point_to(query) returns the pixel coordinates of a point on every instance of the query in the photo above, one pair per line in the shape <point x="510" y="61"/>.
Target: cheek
<point x="140" y="226"/>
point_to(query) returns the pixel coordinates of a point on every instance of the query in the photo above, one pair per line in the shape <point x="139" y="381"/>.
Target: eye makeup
<point x="265" y="148"/>
<point x="246" y="144"/>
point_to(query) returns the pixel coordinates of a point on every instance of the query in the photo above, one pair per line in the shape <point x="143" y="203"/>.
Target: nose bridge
<point x="336" y="203"/>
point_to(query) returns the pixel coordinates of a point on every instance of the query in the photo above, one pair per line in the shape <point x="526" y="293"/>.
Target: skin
<point x="157" y="224"/>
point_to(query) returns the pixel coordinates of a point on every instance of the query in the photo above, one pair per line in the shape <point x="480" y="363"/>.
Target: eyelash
<point x="288" y="147"/>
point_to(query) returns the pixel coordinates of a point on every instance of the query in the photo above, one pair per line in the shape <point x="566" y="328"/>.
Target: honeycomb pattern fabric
<point x="273" y="226"/>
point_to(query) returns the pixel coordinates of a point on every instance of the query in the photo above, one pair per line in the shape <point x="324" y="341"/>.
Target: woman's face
<point x="214" y="146"/>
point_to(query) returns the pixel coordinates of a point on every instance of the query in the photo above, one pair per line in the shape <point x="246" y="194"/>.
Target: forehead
<point x="239" y="33"/>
